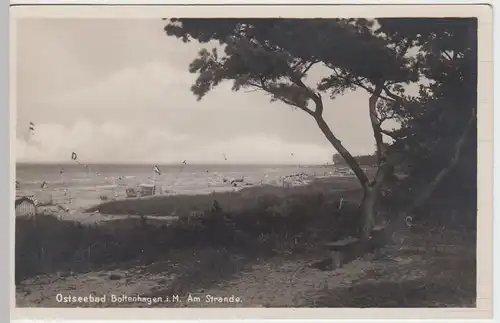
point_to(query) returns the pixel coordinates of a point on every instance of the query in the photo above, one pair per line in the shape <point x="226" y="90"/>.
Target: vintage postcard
<point x="325" y="161"/>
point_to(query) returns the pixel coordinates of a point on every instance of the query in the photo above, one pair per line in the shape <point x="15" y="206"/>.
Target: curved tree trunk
<point x="350" y="160"/>
<point x="368" y="205"/>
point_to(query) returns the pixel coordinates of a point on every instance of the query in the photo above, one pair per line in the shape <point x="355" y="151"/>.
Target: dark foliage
<point x="275" y="55"/>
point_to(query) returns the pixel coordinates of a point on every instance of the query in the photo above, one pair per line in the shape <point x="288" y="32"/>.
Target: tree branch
<point x="381" y="119"/>
<point x="308" y="68"/>
<point x="389" y="134"/>
<point x="263" y="87"/>
<point x="325" y="129"/>
<point x="393" y="96"/>
<point x="316" y="97"/>
<point x="359" y="82"/>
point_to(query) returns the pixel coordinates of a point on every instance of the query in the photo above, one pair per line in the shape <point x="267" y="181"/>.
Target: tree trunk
<point x="368" y="206"/>
<point x="350" y="160"/>
<point x="368" y="211"/>
<point x="376" y="126"/>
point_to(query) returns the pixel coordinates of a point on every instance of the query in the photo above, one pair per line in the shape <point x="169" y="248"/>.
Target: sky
<point x="118" y="91"/>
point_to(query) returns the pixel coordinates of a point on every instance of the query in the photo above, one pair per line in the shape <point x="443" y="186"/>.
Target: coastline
<point x="171" y="206"/>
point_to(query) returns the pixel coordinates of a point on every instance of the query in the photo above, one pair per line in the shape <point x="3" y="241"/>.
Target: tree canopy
<point x="275" y="56"/>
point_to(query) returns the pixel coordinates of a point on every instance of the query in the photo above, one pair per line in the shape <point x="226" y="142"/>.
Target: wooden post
<point x="154" y="181"/>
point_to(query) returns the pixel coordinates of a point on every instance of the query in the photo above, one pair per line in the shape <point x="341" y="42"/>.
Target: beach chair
<point x="131" y="192"/>
<point x="147" y="189"/>
<point x="26" y="205"/>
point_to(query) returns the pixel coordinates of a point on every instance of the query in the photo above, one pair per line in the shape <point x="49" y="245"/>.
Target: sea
<point x="80" y="186"/>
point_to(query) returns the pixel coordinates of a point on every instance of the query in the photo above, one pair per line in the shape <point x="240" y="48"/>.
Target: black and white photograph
<point x="253" y="162"/>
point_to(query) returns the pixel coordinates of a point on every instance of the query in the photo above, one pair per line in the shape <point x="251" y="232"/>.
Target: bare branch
<point x="259" y="86"/>
<point x="308" y="68"/>
<point x="393" y="96"/>
<point x="265" y="88"/>
<point x="359" y="82"/>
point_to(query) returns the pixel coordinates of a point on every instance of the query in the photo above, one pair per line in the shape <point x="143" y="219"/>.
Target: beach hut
<point x="147" y="189"/>
<point x="26" y="205"/>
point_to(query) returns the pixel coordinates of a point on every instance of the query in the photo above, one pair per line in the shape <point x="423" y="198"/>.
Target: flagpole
<point x="154" y="179"/>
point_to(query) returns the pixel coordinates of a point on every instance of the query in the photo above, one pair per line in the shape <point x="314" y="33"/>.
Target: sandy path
<point x="422" y="270"/>
<point x="285" y="281"/>
<point x="273" y="283"/>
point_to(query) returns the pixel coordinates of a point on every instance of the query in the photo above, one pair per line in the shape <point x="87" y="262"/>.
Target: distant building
<point x="26" y="205"/>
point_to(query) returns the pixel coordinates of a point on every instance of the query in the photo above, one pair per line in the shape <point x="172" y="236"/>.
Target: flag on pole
<point x="157" y="169"/>
<point x="31" y="131"/>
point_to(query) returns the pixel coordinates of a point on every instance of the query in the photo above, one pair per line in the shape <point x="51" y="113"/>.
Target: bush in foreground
<point x="46" y="244"/>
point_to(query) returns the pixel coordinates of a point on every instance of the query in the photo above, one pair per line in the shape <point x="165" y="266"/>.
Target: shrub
<point x="46" y="244"/>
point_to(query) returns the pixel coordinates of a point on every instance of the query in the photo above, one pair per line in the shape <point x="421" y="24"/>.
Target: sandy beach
<point x="283" y="277"/>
